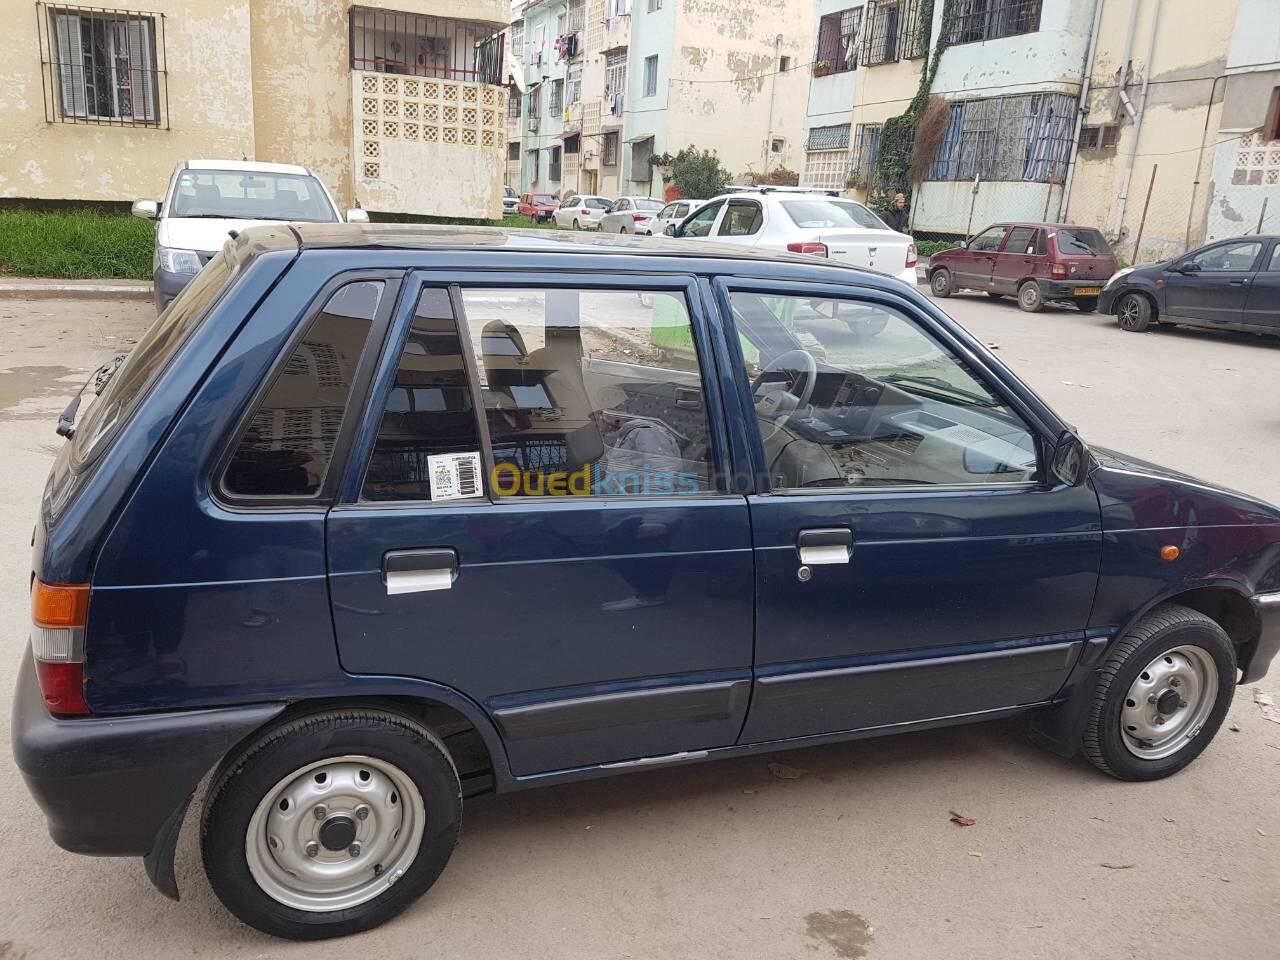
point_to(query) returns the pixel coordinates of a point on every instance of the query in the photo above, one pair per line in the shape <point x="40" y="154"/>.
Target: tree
<point x="698" y="174"/>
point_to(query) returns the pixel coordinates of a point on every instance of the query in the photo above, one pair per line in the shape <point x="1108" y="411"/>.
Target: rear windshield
<point x="814" y="213"/>
<point x="598" y="204"/>
<point x="152" y="352"/>
<point x="1081" y="241"/>
<point x="643" y="204"/>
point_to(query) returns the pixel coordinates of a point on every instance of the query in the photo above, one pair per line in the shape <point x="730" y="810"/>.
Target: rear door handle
<point x="825" y="545"/>
<point x="417" y="571"/>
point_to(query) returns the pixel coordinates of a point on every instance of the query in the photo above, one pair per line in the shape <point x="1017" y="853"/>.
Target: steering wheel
<point x="807" y="372"/>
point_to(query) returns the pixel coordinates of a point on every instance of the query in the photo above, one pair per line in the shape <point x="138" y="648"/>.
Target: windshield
<point x="240" y="195"/>
<point x="815" y="213"/>
<point x="508" y="192"/>
<point x="544" y="198"/>
<point x="1078" y="240"/>
<point x="644" y="203"/>
<point x="152" y="352"/>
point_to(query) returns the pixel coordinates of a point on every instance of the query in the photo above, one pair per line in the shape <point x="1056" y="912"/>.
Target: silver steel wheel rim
<point x="369" y="803"/>
<point x="1029" y="295"/>
<point x="1169" y="702"/>
<point x="939" y="282"/>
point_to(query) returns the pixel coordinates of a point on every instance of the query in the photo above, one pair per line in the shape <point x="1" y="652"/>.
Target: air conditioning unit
<point x="533" y="124"/>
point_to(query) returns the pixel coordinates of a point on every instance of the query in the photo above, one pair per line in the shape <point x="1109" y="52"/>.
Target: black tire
<point x="940" y="282"/>
<point x="576" y="224"/>
<point x="995" y="296"/>
<point x="1164" y="628"/>
<point x="1029" y="297"/>
<point x="245" y="781"/>
<point x="1087" y="304"/>
<point x="1134" y="312"/>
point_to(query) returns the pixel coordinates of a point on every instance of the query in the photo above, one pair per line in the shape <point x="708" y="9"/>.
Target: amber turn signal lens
<point x="1170" y="552"/>
<point x="59" y="605"/>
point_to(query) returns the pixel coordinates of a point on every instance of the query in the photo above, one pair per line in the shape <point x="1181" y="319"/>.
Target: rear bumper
<point x="1068" y="289"/>
<point x="1267" y="606"/>
<point x="108" y="785"/>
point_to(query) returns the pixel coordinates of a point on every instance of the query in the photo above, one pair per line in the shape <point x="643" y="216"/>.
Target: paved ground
<point x="856" y="858"/>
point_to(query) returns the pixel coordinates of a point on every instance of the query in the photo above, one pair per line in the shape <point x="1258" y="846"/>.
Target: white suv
<point x="812" y="223"/>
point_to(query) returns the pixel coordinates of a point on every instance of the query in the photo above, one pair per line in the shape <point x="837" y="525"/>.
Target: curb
<point x="74" y="290"/>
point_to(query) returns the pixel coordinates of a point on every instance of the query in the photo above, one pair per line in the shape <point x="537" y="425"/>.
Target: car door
<point x="570" y="558"/>
<point x="1016" y="259"/>
<point x="974" y="268"/>
<point x="567" y="211"/>
<point x="1262" y="309"/>
<point x="702" y="224"/>
<point x="1213" y="284"/>
<point x="913" y="562"/>
<point x="741" y="222"/>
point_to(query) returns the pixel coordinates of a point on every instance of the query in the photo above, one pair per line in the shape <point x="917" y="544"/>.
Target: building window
<point x="828" y="138"/>
<point x="533" y="166"/>
<point x="866" y="147"/>
<point x="618" y="8"/>
<point x="1096" y="138"/>
<point x="654" y="6"/>
<point x="784" y="64"/>
<point x="975" y="20"/>
<point x="641" y="168"/>
<point x="837" y="42"/>
<point x="513" y="150"/>
<point x="1025" y="137"/>
<point x="609" y="152"/>
<point x="880" y="38"/>
<point x="535" y="102"/>
<point x="575" y="85"/>
<point x="557" y="97"/>
<point x="517" y="39"/>
<point x="914" y="39"/>
<point x="102" y="66"/>
<point x="577" y="16"/>
<point x="405" y="43"/>
<point x="553" y="164"/>
<point x="572" y="144"/>
<point x="615" y="72"/>
<point x="513" y="103"/>
<point x="651" y="76"/>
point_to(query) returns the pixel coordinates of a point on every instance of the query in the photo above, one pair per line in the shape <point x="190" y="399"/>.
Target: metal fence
<point x="406" y="43"/>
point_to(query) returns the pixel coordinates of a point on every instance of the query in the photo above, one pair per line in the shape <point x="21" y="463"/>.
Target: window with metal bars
<point x="880" y="36"/>
<point x="976" y="20"/>
<point x="383" y="41"/>
<point x="517" y="39"/>
<point x="513" y="150"/>
<point x="574" y="94"/>
<point x="577" y="16"/>
<point x="1026" y="137"/>
<point x="102" y="65"/>
<point x="553" y="164"/>
<point x="615" y="72"/>
<point x="866" y="145"/>
<point x="513" y="103"/>
<point x="609" y="150"/>
<point x="837" y="42"/>
<point x="557" y="97"/>
<point x="535" y="102"/>
<point x="914" y="38"/>
<point x="834" y="137"/>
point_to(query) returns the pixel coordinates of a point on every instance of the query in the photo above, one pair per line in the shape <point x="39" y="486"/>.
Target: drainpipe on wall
<point x="773" y="95"/>
<point x="1204" y="140"/>
<point x="1117" y="221"/>
<point x="1064" y="199"/>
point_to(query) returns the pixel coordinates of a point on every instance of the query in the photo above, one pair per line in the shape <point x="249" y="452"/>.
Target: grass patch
<point x="927" y="248"/>
<point x="75" y="244"/>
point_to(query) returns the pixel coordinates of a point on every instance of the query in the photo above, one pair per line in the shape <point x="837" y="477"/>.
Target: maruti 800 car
<point x="376" y="518"/>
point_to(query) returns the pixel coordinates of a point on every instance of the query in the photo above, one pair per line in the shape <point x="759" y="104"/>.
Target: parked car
<point x="808" y="222"/>
<point x="207" y="198"/>
<point x="582" y="212"/>
<point x="445" y="513"/>
<point x="671" y="214"/>
<point x="538" y="207"/>
<point x="1227" y="285"/>
<point x="1038" y="263"/>
<point x="630" y="215"/>
<point x="510" y="201"/>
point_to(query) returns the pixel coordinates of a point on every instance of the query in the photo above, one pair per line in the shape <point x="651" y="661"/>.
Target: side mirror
<point x="1189" y="267"/>
<point x="146" y="209"/>
<point x="1070" y="461"/>
<point x="356" y="215"/>
<point x="670" y="229"/>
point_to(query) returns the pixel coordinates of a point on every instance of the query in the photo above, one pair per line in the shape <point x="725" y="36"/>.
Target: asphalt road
<point x="854" y="858"/>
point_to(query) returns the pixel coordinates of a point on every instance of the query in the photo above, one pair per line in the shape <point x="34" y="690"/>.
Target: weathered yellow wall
<point x="206" y="44"/>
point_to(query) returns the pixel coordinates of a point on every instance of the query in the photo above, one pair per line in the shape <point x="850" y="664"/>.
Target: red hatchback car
<point x="1038" y="263"/>
<point x="538" y="207"/>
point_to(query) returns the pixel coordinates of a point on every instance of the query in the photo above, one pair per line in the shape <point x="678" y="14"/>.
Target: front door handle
<point x="1243" y="282"/>
<point x="825" y="545"/>
<point x="417" y="571"/>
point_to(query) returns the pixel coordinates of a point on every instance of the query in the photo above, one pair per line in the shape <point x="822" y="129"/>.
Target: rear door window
<point x="290" y="438"/>
<point x="742" y="219"/>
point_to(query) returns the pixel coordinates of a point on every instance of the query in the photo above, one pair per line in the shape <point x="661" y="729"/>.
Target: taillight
<point x="808" y="246"/>
<point x="58" y="615"/>
<point x="912" y="256"/>
<point x="1058" y="271"/>
<point x="637" y="217"/>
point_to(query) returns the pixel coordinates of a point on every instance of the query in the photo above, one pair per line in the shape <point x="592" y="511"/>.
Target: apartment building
<point x="607" y="85"/>
<point x="397" y="105"/>
<point x="1059" y="109"/>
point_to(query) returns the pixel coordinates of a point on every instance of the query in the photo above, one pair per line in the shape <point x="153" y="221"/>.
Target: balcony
<point x="428" y="145"/>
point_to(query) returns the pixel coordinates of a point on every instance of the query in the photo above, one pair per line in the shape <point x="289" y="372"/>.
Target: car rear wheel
<point x="940" y="282"/>
<point x="576" y="224"/>
<point x="1161" y="695"/>
<point x="1029" y="298"/>
<point x="1134" y="312"/>
<point x="331" y="824"/>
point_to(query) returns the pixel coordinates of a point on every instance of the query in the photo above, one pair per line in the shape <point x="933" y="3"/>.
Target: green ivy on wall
<point x="897" y="136"/>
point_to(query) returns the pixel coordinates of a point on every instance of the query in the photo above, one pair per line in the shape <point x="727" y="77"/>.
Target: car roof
<point x="1040" y="224"/>
<point x="253" y="166"/>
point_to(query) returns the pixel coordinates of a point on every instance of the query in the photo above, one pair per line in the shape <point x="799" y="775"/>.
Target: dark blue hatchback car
<point x="373" y="519"/>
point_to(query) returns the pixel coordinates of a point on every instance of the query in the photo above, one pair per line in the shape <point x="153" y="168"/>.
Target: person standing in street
<point x="896" y="215"/>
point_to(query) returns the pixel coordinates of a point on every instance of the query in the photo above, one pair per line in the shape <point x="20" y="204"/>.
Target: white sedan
<point x="630" y="215"/>
<point x="582" y="212"/>
<point x="809" y="223"/>
<point x="673" y="212"/>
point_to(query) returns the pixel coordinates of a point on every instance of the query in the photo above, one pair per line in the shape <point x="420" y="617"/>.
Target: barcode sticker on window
<point x="454" y="476"/>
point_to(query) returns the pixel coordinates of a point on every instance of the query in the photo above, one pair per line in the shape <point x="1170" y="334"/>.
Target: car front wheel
<point x="331" y="824"/>
<point x="1161" y="695"/>
<point x="1134" y="312"/>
